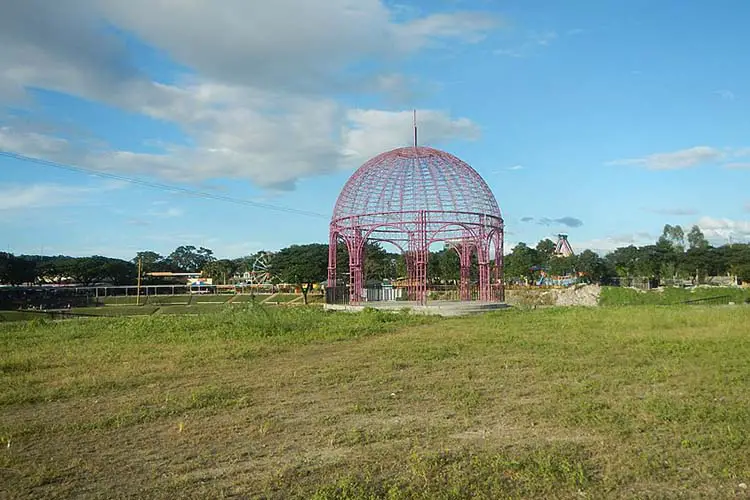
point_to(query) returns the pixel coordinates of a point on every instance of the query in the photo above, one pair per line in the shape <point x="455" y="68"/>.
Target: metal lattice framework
<point x="411" y="198"/>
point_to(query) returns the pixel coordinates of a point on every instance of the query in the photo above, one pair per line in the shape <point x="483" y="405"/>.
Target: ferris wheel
<point x="261" y="271"/>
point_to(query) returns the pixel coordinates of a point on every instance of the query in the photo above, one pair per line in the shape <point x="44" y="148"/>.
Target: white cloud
<point x="534" y="40"/>
<point x="293" y="43"/>
<point x="372" y="132"/>
<point x="18" y="197"/>
<point x="726" y="95"/>
<point x="513" y="168"/>
<point x="738" y="165"/>
<point x="722" y="230"/>
<point x="12" y="139"/>
<point x="168" y="213"/>
<point x="740" y="152"/>
<point x="515" y="53"/>
<point x="468" y="26"/>
<point x="676" y="211"/>
<point x="272" y="152"/>
<point x="610" y="243"/>
<point x="256" y="102"/>
<point x="544" y="38"/>
<point x="675" y="160"/>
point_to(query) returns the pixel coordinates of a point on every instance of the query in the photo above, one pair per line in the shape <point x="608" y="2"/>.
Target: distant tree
<point x="742" y="271"/>
<point x="244" y="264"/>
<point x="151" y="261"/>
<point x="376" y="262"/>
<point x="521" y="261"/>
<point x="51" y="269"/>
<point x="696" y="263"/>
<point x="696" y="239"/>
<point x="302" y="265"/>
<point x="546" y="250"/>
<point x="667" y="255"/>
<point x="219" y="270"/>
<point x="624" y="261"/>
<point x="719" y="260"/>
<point x="391" y="265"/>
<point x="342" y="262"/>
<point x="674" y="237"/>
<point x="561" y="266"/>
<point x="89" y="270"/>
<point x="449" y="264"/>
<point x="120" y="272"/>
<point x="17" y="270"/>
<point x="5" y="259"/>
<point x="22" y="271"/>
<point x="739" y="259"/>
<point x="593" y="267"/>
<point x="401" y="270"/>
<point x="190" y="259"/>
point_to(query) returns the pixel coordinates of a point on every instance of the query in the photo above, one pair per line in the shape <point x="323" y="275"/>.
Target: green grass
<point x="217" y="298"/>
<point x="617" y="402"/>
<point x="120" y="300"/>
<point x="192" y="309"/>
<point x="243" y="298"/>
<point x="316" y="298"/>
<point x="115" y="311"/>
<point x="285" y="297"/>
<point x="165" y="300"/>
<point x="19" y="316"/>
<point x="669" y="296"/>
<point x="157" y="300"/>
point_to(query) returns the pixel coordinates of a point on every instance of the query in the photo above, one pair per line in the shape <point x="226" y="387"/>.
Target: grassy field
<point x="19" y="315"/>
<point x="283" y="297"/>
<point x="621" y="402"/>
<point x="670" y="296"/>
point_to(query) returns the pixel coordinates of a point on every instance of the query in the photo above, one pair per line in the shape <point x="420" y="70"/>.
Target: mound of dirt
<point x="579" y="295"/>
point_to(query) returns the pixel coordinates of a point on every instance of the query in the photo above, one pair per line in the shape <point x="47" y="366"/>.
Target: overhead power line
<point x="158" y="185"/>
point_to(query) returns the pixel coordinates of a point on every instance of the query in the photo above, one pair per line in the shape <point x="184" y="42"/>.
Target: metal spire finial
<point x="415" y="128"/>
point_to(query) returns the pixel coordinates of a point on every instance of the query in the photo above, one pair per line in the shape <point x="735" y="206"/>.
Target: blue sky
<point x="604" y="120"/>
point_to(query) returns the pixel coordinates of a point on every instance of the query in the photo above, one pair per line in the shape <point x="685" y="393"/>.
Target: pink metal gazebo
<point x="413" y="197"/>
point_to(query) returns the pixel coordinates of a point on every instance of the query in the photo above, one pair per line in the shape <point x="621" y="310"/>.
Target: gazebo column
<point x="499" y="269"/>
<point x="410" y="274"/>
<point x="332" y="289"/>
<point x="485" y="286"/>
<point x="332" y="250"/>
<point x="464" y="256"/>
<point x="416" y="260"/>
<point x="356" y="250"/>
<point x="483" y="258"/>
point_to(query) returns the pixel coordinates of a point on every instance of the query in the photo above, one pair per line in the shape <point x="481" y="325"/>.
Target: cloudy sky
<point x="605" y="120"/>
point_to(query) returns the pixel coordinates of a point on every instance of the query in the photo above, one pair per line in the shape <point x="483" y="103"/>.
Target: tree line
<point x="675" y="255"/>
<point x="85" y="271"/>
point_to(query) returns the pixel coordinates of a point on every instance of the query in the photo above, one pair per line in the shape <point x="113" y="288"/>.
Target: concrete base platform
<point x="437" y="307"/>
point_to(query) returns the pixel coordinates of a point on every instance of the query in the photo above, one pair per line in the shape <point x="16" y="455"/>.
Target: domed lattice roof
<point x="413" y="198"/>
<point x="414" y="179"/>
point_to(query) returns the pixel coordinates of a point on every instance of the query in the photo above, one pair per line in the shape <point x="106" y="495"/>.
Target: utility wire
<point x="157" y="185"/>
